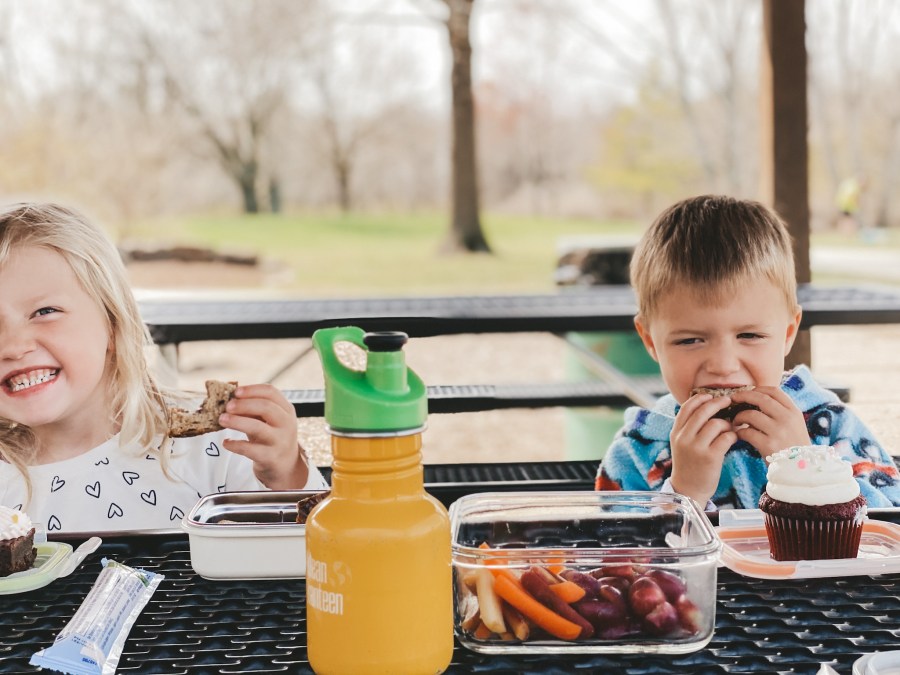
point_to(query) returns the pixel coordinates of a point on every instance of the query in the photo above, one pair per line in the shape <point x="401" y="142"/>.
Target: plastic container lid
<point x="746" y="550"/>
<point x="51" y="556"/>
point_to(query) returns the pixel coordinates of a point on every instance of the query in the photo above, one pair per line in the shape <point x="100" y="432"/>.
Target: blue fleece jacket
<point x="640" y="457"/>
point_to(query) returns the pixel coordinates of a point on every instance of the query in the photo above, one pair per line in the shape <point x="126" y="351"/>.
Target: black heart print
<point x="149" y="497"/>
<point x="151" y="458"/>
<point x="18" y="507"/>
<point x="105" y="460"/>
<point x="220" y="488"/>
<point x="54" y="524"/>
<point x="114" y="511"/>
<point x="130" y="476"/>
<point x="56" y="484"/>
<point x="212" y="450"/>
<point x="93" y="490"/>
<point x="176" y="513"/>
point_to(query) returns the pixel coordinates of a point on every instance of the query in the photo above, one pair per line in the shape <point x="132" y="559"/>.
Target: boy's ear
<point x="644" y="331"/>
<point x="792" y="330"/>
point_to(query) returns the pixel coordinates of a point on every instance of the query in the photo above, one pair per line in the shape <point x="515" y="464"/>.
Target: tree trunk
<point x="784" y="154"/>
<point x="274" y="195"/>
<point x="345" y="198"/>
<point x="246" y="179"/>
<point x="465" y="230"/>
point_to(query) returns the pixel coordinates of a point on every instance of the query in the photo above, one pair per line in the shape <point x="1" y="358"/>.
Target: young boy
<point x="717" y="308"/>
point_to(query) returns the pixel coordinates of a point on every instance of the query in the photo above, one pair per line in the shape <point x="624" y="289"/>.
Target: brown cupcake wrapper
<point x="795" y="539"/>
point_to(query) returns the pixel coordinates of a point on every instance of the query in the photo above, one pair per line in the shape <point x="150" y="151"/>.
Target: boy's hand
<point x="699" y="444"/>
<point x="263" y="413"/>
<point x="778" y="424"/>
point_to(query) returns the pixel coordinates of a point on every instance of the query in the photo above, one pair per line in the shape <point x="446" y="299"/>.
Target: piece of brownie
<point x="732" y="410"/>
<point x="17" y="554"/>
<point x="183" y="423"/>
<point x="306" y="505"/>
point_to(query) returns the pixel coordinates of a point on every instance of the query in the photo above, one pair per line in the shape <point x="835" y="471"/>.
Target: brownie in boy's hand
<point x="732" y="410"/>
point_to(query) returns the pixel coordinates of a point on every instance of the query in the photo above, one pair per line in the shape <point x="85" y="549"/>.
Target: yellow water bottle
<point x="378" y="577"/>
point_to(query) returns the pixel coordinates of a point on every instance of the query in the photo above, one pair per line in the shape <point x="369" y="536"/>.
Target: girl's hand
<point x="699" y="444"/>
<point x="263" y="413"/>
<point x="778" y="424"/>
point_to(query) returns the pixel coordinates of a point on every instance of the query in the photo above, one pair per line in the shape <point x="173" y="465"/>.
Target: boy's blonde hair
<point x="137" y="403"/>
<point x="711" y="245"/>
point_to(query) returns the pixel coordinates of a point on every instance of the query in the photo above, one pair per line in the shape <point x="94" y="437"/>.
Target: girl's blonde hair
<point x="711" y="245"/>
<point x="138" y="406"/>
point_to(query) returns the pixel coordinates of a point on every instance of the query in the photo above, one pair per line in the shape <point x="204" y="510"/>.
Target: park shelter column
<point x="784" y="173"/>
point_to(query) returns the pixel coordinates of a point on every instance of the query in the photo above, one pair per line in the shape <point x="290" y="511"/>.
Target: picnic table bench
<point x="174" y="320"/>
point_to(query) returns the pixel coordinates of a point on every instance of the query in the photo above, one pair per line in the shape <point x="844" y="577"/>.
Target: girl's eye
<point x="749" y="336"/>
<point x="44" y="311"/>
<point x="687" y="341"/>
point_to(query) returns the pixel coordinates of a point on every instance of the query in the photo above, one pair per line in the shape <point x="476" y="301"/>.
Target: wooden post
<point x="784" y="175"/>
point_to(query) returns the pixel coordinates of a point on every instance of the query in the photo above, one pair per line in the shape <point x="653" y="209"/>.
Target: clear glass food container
<point x="583" y="572"/>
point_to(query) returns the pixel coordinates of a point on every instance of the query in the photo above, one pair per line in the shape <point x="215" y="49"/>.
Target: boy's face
<point x="742" y="340"/>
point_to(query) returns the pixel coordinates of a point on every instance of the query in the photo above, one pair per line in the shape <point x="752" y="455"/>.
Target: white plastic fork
<point x="78" y="556"/>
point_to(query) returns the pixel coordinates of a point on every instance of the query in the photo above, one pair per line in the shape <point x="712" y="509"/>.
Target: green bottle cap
<point x="387" y="396"/>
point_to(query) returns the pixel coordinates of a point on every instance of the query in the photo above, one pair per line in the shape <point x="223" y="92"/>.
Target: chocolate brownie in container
<point x="17" y="551"/>
<point x="812" y="505"/>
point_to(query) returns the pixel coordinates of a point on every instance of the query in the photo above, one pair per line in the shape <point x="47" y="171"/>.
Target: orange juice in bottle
<point x="378" y="576"/>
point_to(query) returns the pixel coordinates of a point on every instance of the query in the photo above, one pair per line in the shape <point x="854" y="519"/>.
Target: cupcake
<point x="17" y="552"/>
<point x="812" y="505"/>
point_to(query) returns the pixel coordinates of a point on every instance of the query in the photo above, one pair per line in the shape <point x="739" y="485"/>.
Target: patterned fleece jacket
<point x="640" y="457"/>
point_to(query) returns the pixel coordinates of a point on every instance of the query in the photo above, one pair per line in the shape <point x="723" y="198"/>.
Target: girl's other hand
<point x="699" y="444"/>
<point x="263" y="413"/>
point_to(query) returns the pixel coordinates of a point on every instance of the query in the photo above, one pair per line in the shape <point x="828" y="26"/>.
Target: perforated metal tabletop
<point x="193" y="625"/>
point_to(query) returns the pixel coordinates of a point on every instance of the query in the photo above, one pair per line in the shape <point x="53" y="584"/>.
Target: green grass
<point x="358" y="254"/>
<point x="330" y="254"/>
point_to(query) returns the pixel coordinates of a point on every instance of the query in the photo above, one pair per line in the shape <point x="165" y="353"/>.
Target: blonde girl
<point x="83" y="423"/>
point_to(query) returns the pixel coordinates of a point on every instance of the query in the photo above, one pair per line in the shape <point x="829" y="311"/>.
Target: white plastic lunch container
<point x="248" y="535"/>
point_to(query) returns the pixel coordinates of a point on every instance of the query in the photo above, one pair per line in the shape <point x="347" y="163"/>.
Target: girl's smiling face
<point x="739" y="341"/>
<point x="54" y="349"/>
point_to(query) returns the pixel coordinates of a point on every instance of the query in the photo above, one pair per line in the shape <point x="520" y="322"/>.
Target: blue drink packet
<point x="91" y="643"/>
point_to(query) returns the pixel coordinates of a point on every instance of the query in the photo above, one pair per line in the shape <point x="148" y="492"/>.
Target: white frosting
<point x="13" y="523"/>
<point x="812" y="474"/>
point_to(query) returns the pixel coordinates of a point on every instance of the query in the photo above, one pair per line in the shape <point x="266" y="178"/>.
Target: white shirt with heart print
<point x="114" y="489"/>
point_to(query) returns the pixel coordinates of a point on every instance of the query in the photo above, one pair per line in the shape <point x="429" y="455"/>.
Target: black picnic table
<point x="185" y="318"/>
<point x="194" y="625"/>
<point x="585" y="309"/>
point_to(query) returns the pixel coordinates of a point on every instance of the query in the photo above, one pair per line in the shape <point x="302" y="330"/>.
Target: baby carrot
<point x="568" y="591"/>
<point x="482" y="632"/>
<point x="496" y="570"/>
<point x="539" y="589"/>
<point x="515" y="621"/>
<point x="547" y="619"/>
<point x="488" y="602"/>
<point x="555" y="565"/>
